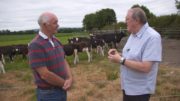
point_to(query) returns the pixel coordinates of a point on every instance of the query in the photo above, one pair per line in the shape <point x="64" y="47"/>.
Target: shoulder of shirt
<point x="56" y="39"/>
<point x="35" y="41"/>
<point x="152" y="33"/>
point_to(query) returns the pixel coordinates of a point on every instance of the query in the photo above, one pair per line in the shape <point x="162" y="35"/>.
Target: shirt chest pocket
<point x="134" y="54"/>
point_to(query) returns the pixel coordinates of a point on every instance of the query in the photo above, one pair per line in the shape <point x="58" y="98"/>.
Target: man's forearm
<point x="139" y="66"/>
<point x="68" y="70"/>
<point x="50" y="77"/>
<point x="53" y="79"/>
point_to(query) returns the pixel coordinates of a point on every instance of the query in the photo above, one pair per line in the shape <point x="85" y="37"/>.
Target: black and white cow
<point x="13" y="50"/>
<point x="110" y="37"/>
<point x="69" y="50"/>
<point x="21" y="49"/>
<point x="79" y="44"/>
<point x="2" y="62"/>
<point x="7" y="51"/>
<point x="98" y="44"/>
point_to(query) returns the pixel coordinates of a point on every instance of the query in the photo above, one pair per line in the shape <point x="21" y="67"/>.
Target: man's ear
<point x="137" y="20"/>
<point x="45" y="24"/>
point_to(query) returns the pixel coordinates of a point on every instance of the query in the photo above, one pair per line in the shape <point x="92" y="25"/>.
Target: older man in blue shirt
<point x="140" y="58"/>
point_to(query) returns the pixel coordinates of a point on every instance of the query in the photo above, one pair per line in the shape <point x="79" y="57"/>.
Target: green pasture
<point x="19" y="63"/>
<point x="25" y="39"/>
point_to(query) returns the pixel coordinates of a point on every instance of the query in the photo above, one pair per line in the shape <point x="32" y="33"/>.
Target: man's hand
<point x="114" y="56"/>
<point x="112" y="52"/>
<point x="67" y="84"/>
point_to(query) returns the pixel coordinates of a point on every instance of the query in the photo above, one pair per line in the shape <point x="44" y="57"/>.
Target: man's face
<point x="131" y="23"/>
<point x="52" y="26"/>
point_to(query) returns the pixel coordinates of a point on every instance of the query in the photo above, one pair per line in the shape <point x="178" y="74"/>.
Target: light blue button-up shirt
<point x="142" y="46"/>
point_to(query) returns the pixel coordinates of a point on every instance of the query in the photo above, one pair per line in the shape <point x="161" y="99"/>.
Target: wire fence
<point x="165" y="32"/>
<point x="169" y="32"/>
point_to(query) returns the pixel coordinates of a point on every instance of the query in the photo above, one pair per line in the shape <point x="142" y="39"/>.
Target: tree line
<point x="105" y="19"/>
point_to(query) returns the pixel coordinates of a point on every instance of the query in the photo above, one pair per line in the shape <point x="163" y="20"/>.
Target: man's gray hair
<point x="43" y="19"/>
<point x="139" y="15"/>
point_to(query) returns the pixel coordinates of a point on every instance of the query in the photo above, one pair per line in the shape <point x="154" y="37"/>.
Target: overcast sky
<point x="18" y="15"/>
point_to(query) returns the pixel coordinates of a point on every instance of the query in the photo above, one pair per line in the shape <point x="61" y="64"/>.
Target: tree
<point x="89" y="22"/>
<point x="178" y="6"/>
<point x="99" y="19"/>
<point x="105" y="17"/>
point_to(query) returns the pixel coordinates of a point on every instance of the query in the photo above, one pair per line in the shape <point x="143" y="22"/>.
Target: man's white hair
<point x="43" y="19"/>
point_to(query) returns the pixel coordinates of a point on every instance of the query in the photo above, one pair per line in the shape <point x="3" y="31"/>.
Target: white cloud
<point x="23" y="14"/>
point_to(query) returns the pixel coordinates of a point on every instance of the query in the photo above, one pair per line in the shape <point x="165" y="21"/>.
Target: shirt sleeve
<point x="153" y="50"/>
<point x="36" y="56"/>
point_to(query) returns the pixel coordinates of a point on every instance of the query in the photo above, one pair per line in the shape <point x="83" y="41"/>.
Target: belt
<point x="48" y="88"/>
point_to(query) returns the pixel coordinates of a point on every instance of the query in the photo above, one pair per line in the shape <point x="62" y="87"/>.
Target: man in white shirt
<point x="140" y="58"/>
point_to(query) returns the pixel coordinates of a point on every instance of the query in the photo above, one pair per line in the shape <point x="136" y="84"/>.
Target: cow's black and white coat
<point x="78" y="44"/>
<point x="2" y="62"/>
<point x="110" y="37"/>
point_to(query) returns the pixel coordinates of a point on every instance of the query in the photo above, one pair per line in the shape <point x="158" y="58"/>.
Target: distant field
<point x="24" y="39"/>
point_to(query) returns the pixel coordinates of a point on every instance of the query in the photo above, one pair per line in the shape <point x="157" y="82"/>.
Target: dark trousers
<point x="144" y="97"/>
<point x="51" y="94"/>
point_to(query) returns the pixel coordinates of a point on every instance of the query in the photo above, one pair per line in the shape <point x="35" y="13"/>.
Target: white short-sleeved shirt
<point x="143" y="46"/>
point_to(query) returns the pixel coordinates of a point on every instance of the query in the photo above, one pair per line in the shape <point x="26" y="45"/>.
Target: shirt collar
<point x="44" y="35"/>
<point x="141" y="31"/>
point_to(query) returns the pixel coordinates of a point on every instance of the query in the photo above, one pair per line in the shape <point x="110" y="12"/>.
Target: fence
<point x="165" y="32"/>
<point x="169" y="32"/>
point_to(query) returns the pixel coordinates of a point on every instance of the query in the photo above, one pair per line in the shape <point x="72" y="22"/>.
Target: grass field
<point x="25" y="39"/>
<point x="95" y="81"/>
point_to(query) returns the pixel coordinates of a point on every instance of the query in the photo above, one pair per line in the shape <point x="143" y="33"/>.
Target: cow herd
<point x="11" y="51"/>
<point x="73" y="47"/>
<point x="94" y="41"/>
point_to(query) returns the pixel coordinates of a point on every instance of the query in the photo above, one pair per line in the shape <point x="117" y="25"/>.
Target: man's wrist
<point x="122" y="60"/>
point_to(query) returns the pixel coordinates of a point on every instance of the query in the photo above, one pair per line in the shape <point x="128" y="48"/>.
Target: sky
<point x="16" y="15"/>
